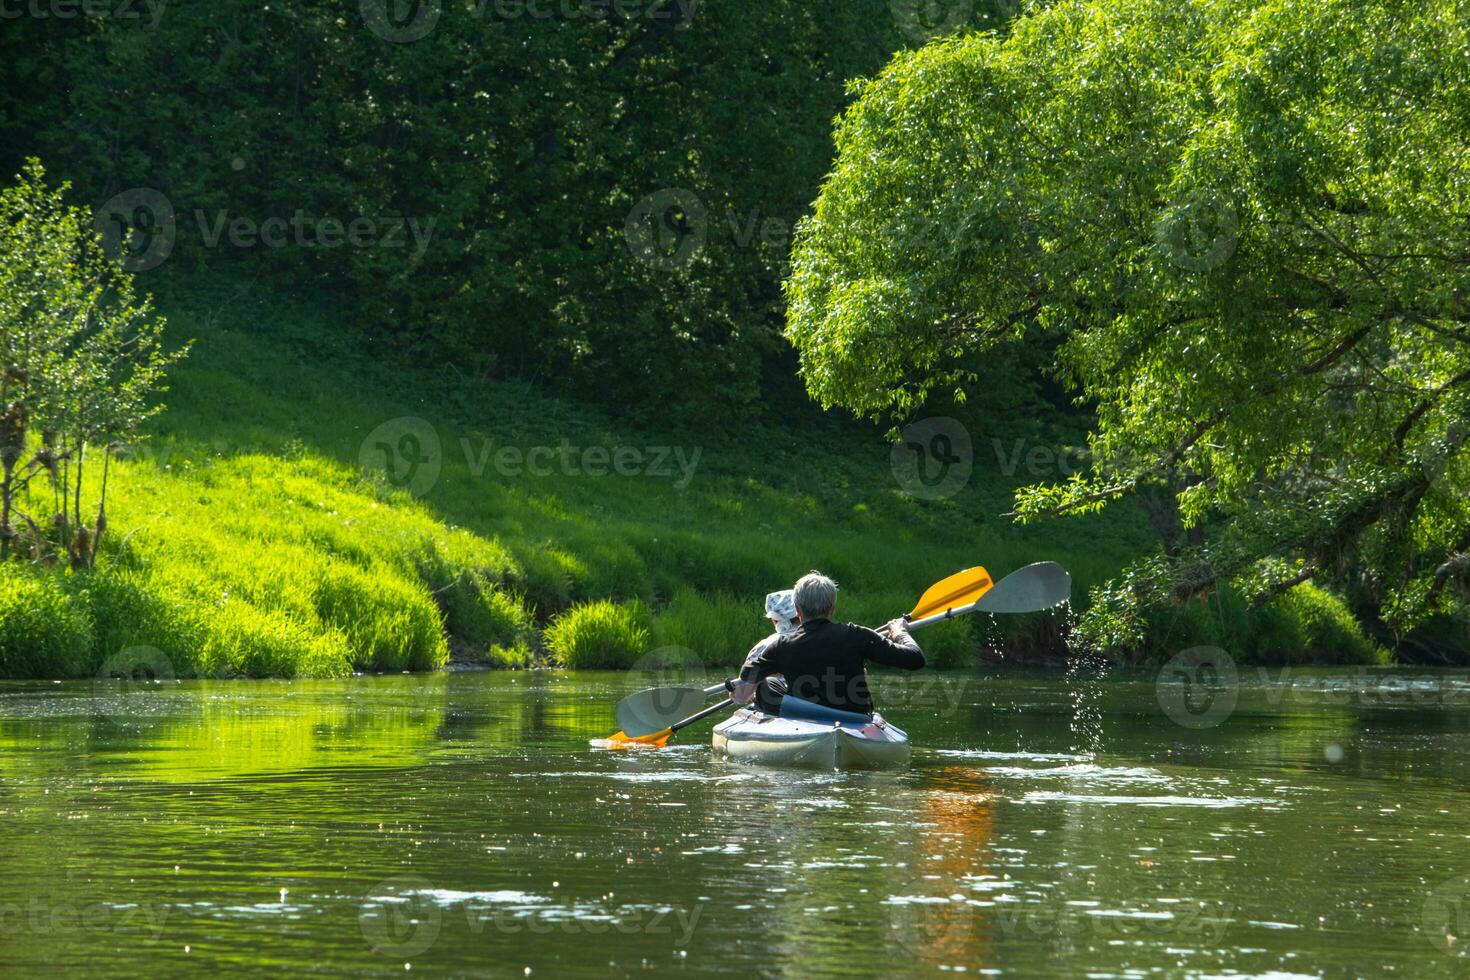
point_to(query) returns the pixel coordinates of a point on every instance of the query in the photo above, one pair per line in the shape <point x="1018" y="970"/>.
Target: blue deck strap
<point x="795" y="709"/>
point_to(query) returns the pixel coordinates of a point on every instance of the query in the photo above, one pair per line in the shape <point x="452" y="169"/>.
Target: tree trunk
<point x="77" y="502"/>
<point x="6" y="490"/>
<point x="101" y="508"/>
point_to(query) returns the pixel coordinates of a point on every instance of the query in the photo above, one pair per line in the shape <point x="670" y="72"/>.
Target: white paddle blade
<point x="1030" y="589"/>
<point x="654" y="710"/>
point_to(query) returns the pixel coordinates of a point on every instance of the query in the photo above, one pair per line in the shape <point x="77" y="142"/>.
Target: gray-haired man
<point x="823" y="661"/>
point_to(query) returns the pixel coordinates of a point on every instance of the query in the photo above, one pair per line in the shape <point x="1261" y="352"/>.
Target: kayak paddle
<point x="647" y="716"/>
<point x="657" y="740"/>
<point x="1031" y="589"/>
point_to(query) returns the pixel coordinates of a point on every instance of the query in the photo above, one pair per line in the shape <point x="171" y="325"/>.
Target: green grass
<point x="248" y="538"/>
<point x="601" y="635"/>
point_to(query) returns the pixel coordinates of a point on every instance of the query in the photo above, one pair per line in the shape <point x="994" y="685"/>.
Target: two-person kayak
<point x="812" y="736"/>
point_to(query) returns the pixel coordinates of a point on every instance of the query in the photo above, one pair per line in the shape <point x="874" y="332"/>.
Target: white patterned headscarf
<point x="781" y="607"/>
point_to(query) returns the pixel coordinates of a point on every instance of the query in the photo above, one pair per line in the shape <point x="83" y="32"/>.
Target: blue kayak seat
<point x="796" y="709"/>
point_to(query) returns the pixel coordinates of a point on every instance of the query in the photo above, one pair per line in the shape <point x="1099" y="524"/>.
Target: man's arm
<point x="893" y="647"/>
<point x="758" y="666"/>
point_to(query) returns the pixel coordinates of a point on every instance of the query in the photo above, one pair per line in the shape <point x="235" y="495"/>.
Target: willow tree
<point x="1248" y="224"/>
<point x="80" y="357"/>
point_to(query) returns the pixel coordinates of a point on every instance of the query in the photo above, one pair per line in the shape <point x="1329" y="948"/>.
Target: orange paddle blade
<point x="959" y="589"/>
<point x="622" y="742"/>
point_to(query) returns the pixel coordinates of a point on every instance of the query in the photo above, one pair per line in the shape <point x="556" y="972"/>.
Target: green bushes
<point x="1307" y="623"/>
<point x="600" y="635"/>
<point x="42" y="632"/>
<point x="1328" y="629"/>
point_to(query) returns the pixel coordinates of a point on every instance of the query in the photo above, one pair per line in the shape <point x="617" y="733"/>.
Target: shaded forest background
<point x="604" y="196"/>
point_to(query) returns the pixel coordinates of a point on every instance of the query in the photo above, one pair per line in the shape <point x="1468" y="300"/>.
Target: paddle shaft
<point x="716" y="709"/>
<point x="941" y="617"/>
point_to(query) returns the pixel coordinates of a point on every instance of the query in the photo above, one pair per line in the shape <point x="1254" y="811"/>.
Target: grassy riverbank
<point x="311" y="506"/>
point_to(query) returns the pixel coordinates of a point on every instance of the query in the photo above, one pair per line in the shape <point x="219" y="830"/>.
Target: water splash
<point x="1085" y="671"/>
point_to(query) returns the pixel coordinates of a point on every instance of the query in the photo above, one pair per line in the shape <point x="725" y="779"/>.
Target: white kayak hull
<point x="753" y="736"/>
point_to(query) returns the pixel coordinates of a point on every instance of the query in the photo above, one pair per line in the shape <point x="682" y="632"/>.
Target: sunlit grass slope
<point x="310" y="505"/>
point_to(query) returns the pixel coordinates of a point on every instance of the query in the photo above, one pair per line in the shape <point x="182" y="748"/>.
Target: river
<point x="1290" y="822"/>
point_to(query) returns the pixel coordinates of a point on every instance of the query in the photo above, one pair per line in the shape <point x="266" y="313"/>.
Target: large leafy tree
<point x="1248" y="221"/>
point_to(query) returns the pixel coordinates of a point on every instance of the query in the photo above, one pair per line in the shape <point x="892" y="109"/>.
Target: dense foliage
<point x="1248" y="224"/>
<point x="597" y="196"/>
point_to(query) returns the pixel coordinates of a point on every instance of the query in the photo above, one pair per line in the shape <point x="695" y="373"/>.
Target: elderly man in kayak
<point x="815" y="659"/>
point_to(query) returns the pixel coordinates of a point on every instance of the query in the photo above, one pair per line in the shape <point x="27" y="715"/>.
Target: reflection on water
<point x="459" y="823"/>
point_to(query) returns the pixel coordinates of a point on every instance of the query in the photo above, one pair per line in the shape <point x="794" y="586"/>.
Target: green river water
<point x="1305" y="823"/>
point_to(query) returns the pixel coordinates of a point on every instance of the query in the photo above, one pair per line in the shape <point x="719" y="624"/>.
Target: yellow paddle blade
<point x="622" y="742"/>
<point x="959" y="589"/>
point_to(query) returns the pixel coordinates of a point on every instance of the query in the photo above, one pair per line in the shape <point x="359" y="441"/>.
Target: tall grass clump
<point x="42" y="632"/>
<point x="1329" y="631"/>
<point x="129" y="612"/>
<point x="600" y="635"/>
<point x="389" y="624"/>
<point x="243" y="640"/>
<point x="470" y="580"/>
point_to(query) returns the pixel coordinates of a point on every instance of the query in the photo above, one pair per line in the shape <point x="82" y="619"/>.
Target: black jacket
<point x="823" y="662"/>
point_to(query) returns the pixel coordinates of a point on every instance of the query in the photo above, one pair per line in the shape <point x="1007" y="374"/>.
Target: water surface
<point x="1298" y="824"/>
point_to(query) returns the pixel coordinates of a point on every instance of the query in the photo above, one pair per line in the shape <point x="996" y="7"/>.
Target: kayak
<point x="847" y="742"/>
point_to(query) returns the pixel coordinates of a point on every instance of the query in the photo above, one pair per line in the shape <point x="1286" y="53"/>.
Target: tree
<point x="1249" y="221"/>
<point x="80" y="357"/>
